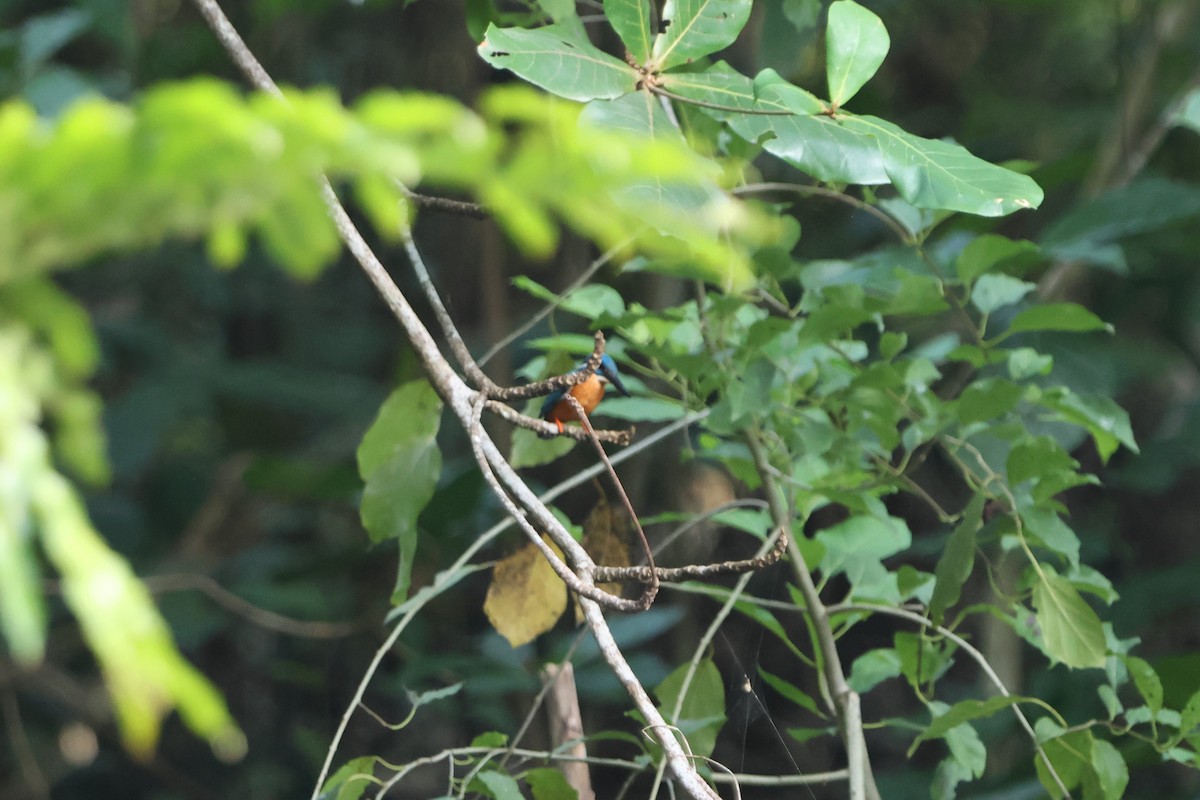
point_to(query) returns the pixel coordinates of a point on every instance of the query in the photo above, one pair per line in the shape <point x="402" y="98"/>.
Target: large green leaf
<point x="695" y="28"/>
<point x="560" y="59"/>
<point x="845" y="148"/>
<point x="856" y="43"/>
<point x="399" y="460"/>
<point x="631" y="19"/>
<point x="785" y="122"/>
<point x="930" y="173"/>
<point x="1070" y="628"/>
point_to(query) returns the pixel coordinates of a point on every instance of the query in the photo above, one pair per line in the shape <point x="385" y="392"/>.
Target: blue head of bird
<point x="607" y="372"/>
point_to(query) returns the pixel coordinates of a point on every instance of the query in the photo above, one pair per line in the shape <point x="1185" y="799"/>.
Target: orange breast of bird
<point x="589" y="394"/>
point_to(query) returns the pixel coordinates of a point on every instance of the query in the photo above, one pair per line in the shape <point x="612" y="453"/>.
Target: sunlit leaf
<point x="856" y="43"/>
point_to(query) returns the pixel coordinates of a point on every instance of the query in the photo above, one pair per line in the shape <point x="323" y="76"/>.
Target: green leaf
<point x="792" y="692"/>
<point x="962" y="712"/>
<point x="1070" y="754"/>
<point x="985" y="253"/>
<point x="873" y="668"/>
<point x="957" y="561"/>
<point x="1071" y="631"/>
<point x="1148" y="684"/>
<point x="631" y="20"/>
<point x="1189" y="718"/>
<point x="1057" y="317"/>
<point x="351" y="780"/>
<point x="547" y="783"/>
<point x="852" y="149"/>
<point x="1048" y="527"/>
<point x="857" y="546"/>
<point x="695" y="28"/>
<point x="44" y="35"/>
<point x="500" y="785"/>
<point x="399" y="461"/>
<point x="22" y="610"/>
<point x="1143" y="206"/>
<point x="702" y="712"/>
<point x="1025" y="362"/>
<point x="996" y="291"/>
<point x="641" y="114"/>
<point x="1037" y="457"/>
<point x="1111" y="772"/>
<point x="856" y="43"/>
<point x="1106" y="421"/>
<point x="558" y="10"/>
<point x="815" y="144"/>
<point x="560" y="59"/>
<point x="492" y="739"/>
<point x="931" y="173"/>
<point x="641" y="409"/>
<point x="1188" y="114"/>
<point x="964" y="743"/>
<point x="987" y="399"/>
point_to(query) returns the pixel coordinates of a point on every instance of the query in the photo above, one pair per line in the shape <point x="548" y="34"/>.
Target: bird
<point x="588" y="392"/>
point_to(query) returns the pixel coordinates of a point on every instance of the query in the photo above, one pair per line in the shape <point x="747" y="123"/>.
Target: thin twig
<point x="264" y="618"/>
<point x="457" y="346"/>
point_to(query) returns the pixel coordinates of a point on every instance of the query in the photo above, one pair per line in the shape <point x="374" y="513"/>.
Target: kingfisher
<point x="589" y="393"/>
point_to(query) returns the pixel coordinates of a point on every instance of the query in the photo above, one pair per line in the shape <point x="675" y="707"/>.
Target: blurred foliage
<point x="233" y="403"/>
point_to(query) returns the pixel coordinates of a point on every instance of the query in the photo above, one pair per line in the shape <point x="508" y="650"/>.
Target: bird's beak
<point x="612" y="378"/>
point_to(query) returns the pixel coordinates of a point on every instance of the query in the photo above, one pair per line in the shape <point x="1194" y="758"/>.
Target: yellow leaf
<point x="525" y="598"/>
